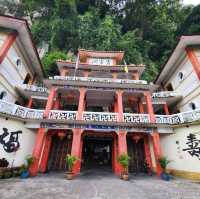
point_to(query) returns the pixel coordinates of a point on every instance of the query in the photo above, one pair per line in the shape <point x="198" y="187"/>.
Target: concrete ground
<point x="97" y="185"/>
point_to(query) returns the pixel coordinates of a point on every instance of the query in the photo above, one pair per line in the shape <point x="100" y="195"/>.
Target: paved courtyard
<point x="97" y="186"/>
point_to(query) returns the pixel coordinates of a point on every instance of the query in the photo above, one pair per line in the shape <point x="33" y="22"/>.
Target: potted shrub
<point x="24" y="170"/>
<point x="70" y="160"/>
<point x="124" y="162"/>
<point x="163" y="163"/>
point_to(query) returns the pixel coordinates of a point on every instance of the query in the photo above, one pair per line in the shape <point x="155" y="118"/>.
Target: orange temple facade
<point x="104" y="104"/>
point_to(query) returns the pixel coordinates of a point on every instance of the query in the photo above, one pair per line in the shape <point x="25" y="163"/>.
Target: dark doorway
<point x="137" y="157"/>
<point x="60" y="147"/>
<point x="97" y="153"/>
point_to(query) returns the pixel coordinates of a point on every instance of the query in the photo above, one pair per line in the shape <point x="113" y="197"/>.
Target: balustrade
<point x="164" y="94"/>
<point x="28" y="113"/>
<point x="100" y="80"/>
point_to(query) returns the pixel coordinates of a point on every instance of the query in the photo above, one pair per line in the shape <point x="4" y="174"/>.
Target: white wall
<point x="12" y="75"/>
<point x="186" y="87"/>
<point x="26" y="140"/>
<point x="173" y="145"/>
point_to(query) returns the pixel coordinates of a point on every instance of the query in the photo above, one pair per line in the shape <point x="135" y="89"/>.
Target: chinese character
<point x="193" y="146"/>
<point x="12" y="144"/>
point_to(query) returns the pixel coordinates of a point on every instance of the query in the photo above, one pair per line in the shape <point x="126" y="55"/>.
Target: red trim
<point x="6" y="45"/>
<point x="194" y="60"/>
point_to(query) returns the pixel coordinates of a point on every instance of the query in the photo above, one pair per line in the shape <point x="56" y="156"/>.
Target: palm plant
<point x="123" y="160"/>
<point x="70" y="160"/>
<point x="164" y="162"/>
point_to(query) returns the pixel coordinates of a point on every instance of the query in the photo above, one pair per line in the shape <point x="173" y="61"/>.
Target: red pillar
<point x="119" y="104"/>
<point x="157" y="151"/>
<point x="166" y="110"/>
<point x="6" y="45"/>
<point x="76" y="142"/>
<point x="37" y="151"/>
<point x="115" y="164"/>
<point x="147" y="152"/>
<point x="81" y="105"/>
<point x="155" y="135"/>
<point x="50" y="102"/>
<point x="150" y="106"/>
<point x="30" y="102"/>
<point x="194" y="60"/>
<point x="45" y="155"/>
<point x="122" y="145"/>
<point x="76" y="149"/>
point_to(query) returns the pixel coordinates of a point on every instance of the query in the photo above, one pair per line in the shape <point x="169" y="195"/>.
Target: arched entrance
<point x="97" y="151"/>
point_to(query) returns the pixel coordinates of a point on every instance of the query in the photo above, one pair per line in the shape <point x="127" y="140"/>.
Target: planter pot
<point x="165" y="176"/>
<point x="124" y="177"/>
<point x="69" y="175"/>
<point x="24" y="174"/>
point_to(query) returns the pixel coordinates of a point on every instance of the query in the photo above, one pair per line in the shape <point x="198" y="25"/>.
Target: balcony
<point x="23" y="113"/>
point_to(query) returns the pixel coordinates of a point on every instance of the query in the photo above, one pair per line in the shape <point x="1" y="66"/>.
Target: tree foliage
<point x="145" y="29"/>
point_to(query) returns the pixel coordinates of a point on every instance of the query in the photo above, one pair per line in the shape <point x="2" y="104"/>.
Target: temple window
<point x="27" y="79"/>
<point x="3" y="94"/>
<point x="180" y="76"/>
<point x="192" y="105"/>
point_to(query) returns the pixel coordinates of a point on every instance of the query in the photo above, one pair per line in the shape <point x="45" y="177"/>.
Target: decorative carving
<point x="62" y="115"/>
<point x="100" y="117"/>
<point x="136" y="118"/>
<point x="100" y="80"/>
<point x="164" y="94"/>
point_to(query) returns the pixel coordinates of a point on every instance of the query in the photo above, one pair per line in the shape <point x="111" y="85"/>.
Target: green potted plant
<point x="70" y="160"/>
<point x="163" y="163"/>
<point x="24" y="170"/>
<point x="123" y="160"/>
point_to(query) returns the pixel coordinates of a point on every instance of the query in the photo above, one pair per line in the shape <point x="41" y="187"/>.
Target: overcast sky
<point x="194" y="2"/>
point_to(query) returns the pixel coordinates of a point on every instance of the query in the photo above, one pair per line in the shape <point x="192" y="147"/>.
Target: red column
<point x="45" y="155"/>
<point x="115" y="166"/>
<point x="157" y="151"/>
<point x="50" y="102"/>
<point x="120" y="105"/>
<point x="149" y="106"/>
<point x="155" y="135"/>
<point x="76" y="149"/>
<point x="147" y="152"/>
<point x="141" y="107"/>
<point x="166" y="110"/>
<point x="6" y="45"/>
<point x="194" y="60"/>
<point x="37" y="151"/>
<point x="30" y="102"/>
<point x="81" y="105"/>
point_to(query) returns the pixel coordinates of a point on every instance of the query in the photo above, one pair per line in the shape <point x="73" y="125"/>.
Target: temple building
<point x="98" y="108"/>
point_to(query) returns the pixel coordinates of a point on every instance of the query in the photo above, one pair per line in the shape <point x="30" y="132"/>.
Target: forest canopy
<point x="147" y="30"/>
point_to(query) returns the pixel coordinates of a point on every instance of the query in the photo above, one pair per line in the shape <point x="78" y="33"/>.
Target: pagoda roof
<point x="68" y="64"/>
<point x="118" y="55"/>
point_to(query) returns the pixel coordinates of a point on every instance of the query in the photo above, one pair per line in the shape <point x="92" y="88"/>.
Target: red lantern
<point x="61" y="135"/>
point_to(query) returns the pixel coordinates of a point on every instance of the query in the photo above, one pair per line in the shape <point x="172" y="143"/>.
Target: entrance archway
<point x="97" y="151"/>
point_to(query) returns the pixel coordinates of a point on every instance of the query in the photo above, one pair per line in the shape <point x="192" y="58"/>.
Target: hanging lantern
<point x="61" y="134"/>
<point x="136" y="138"/>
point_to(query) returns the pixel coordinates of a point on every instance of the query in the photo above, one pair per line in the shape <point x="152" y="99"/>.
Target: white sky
<point x="194" y="2"/>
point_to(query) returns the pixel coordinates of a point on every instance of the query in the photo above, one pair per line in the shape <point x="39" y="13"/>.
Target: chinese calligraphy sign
<point x="9" y="140"/>
<point x="193" y="146"/>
